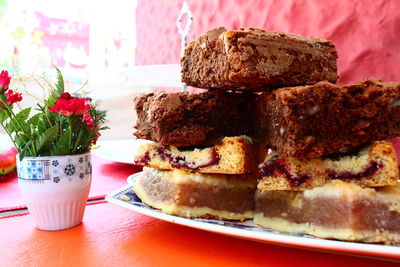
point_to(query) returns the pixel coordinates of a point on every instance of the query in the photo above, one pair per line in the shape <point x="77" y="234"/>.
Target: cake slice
<point x="373" y="165"/>
<point x="254" y="59"/>
<point x="234" y="155"/>
<point x="194" y="119"/>
<point x="336" y="210"/>
<point x="310" y="121"/>
<point x="187" y="194"/>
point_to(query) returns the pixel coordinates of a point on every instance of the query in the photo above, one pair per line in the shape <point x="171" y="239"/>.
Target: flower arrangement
<point x="61" y="124"/>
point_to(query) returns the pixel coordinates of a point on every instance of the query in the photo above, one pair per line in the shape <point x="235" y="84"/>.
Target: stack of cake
<point x="200" y="160"/>
<point x="331" y="172"/>
<point x="330" y="176"/>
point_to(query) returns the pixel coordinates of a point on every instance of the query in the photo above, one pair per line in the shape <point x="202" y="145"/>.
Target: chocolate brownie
<point x="254" y="59"/>
<point x="310" y="121"/>
<point x="193" y="119"/>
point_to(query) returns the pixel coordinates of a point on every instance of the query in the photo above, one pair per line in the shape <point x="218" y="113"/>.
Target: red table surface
<point x="107" y="176"/>
<point x="114" y="236"/>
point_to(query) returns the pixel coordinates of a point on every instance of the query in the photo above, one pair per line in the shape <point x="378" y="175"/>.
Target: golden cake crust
<point x="187" y="194"/>
<point x="376" y="166"/>
<point x="233" y="155"/>
<point x="336" y="210"/>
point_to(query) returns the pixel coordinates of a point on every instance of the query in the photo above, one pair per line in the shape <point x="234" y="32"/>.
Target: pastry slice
<point x="187" y="194"/>
<point x="193" y="119"/>
<point x="257" y="60"/>
<point x="371" y="166"/>
<point x="337" y="210"/>
<point x="233" y="155"/>
<point x="310" y="121"/>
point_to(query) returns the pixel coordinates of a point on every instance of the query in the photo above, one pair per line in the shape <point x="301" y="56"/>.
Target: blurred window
<point x="85" y="39"/>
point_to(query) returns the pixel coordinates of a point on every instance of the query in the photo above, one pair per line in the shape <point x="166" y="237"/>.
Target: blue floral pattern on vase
<point x="69" y="169"/>
<point x="55" y="169"/>
<point x="34" y="170"/>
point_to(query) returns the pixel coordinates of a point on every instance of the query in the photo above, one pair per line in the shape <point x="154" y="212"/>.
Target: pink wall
<point x="57" y="33"/>
<point x="366" y="32"/>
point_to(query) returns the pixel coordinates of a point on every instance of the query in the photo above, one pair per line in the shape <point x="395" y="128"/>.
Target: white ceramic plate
<point x="122" y="151"/>
<point x="164" y="75"/>
<point x="249" y="230"/>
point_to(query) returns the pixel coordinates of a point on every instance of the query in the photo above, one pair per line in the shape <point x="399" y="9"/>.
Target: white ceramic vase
<point x="55" y="189"/>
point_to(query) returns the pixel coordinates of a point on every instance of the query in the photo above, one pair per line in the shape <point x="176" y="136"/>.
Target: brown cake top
<point x="257" y="60"/>
<point x="193" y="119"/>
<point x="258" y="37"/>
<point x="163" y="103"/>
<point x="310" y="121"/>
<point x="361" y="89"/>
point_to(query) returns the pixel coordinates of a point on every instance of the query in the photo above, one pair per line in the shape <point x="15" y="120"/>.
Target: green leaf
<point x="42" y="126"/>
<point x="34" y="120"/>
<point x="22" y="154"/>
<point x="21" y="140"/>
<point x="4" y="114"/>
<point x="12" y="126"/>
<point x="60" y="82"/>
<point x="44" y="141"/>
<point x="19" y="121"/>
<point x="23" y="114"/>
<point x="61" y="147"/>
<point x="59" y="89"/>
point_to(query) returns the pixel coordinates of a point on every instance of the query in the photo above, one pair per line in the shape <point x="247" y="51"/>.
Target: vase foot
<point x="58" y="216"/>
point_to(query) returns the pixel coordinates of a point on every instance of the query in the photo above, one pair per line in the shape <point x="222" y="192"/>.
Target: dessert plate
<point x="121" y="151"/>
<point x="125" y="197"/>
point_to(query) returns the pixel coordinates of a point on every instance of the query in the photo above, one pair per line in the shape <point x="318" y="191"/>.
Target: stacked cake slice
<point x="254" y="59"/>
<point x="332" y="172"/>
<point x="338" y="210"/>
<point x="315" y="120"/>
<point x="194" y="167"/>
<point x="331" y="176"/>
<point x="194" y="194"/>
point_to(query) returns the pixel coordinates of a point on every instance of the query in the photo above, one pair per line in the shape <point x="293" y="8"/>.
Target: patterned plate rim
<point x="248" y="230"/>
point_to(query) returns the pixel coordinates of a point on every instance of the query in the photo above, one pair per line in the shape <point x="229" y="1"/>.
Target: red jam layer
<point x="280" y="167"/>
<point x="179" y="162"/>
<point x="370" y="170"/>
<point x="143" y="160"/>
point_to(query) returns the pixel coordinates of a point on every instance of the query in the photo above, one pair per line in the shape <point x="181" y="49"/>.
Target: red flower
<point x="68" y="105"/>
<point x="12" y="97"/>
<point x="4" y="81"/>
<point x="89" y="121"/>
<point x="66" y="95"/>
<point x="96" y="136"/>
